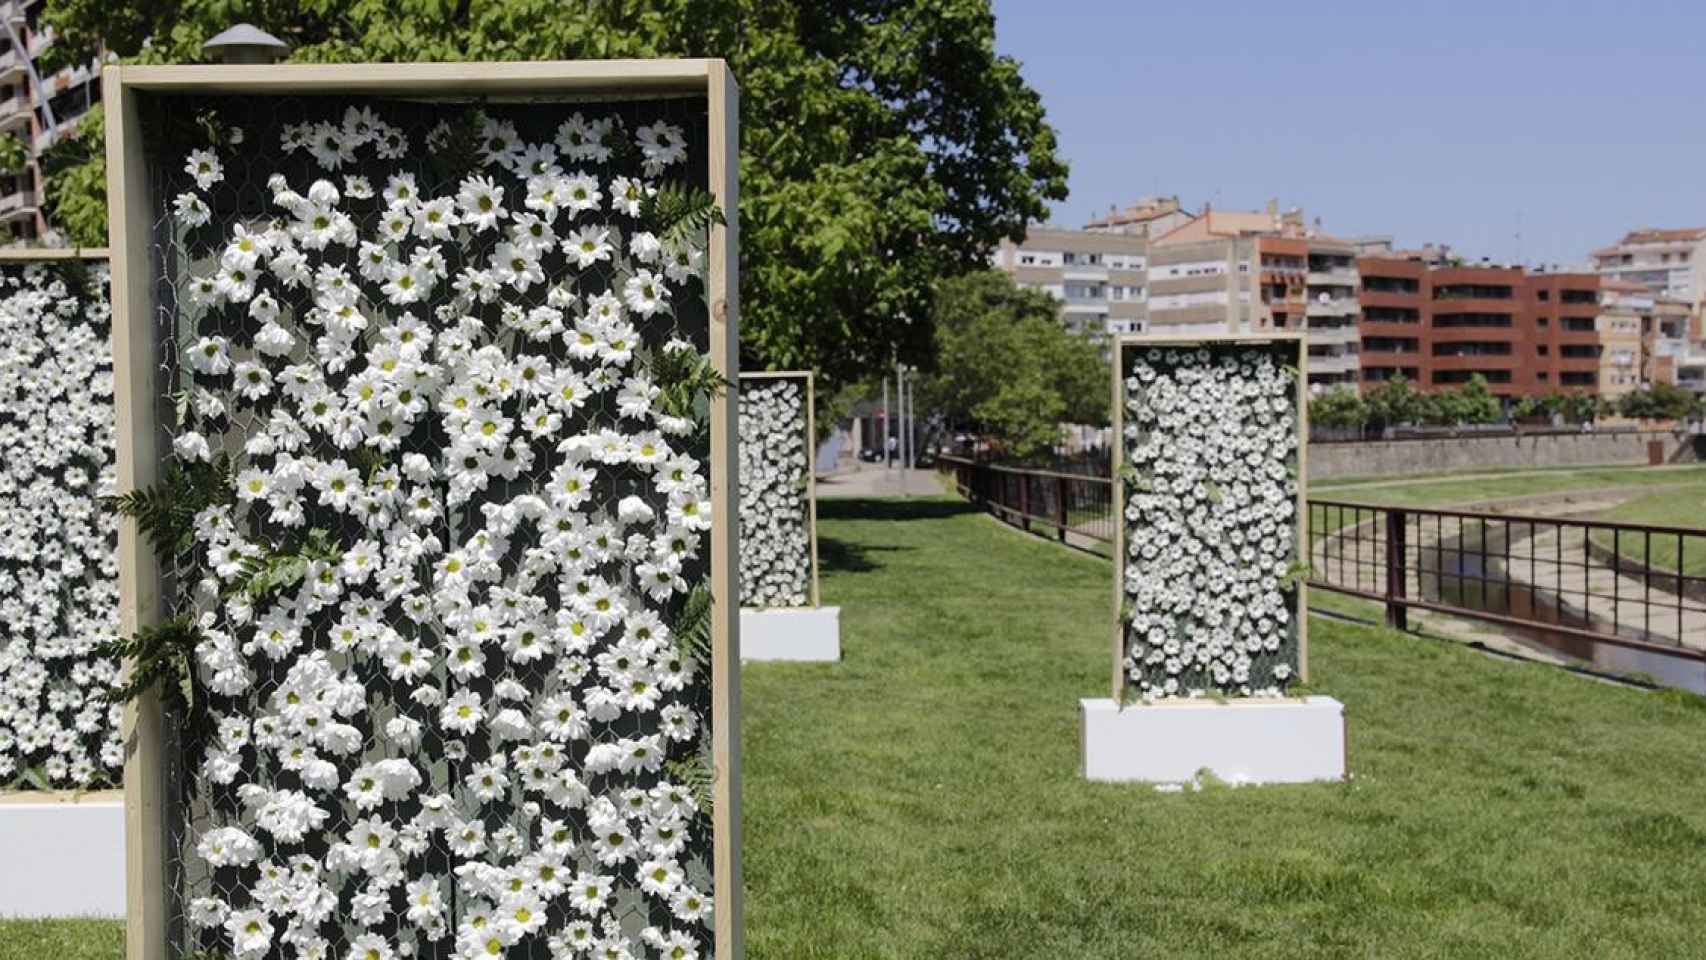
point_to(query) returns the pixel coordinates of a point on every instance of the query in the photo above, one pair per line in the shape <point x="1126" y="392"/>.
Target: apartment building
<point x="1671" y="348"/>
<point x="1234" y="271"/>
<point x="1099" y="277"/>
<point x="1668" y="262"/>
<point x="37" y="108"/>
<point x="1148" y="217"/>
<point x="1525" y="333"/>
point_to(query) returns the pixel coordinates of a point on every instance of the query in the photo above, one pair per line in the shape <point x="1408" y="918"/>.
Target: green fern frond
<point x="677" y="212"/>
<point x="697" y="774"/>
<point x="283" y="567"/>
<point x="683" y="379"/>
<point x="165" y="511"/>
<point x="693" y="626"/>
<point x="162" y="657"/>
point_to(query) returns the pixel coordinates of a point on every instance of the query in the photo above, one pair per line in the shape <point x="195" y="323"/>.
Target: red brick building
<point x="1439" y="326"/>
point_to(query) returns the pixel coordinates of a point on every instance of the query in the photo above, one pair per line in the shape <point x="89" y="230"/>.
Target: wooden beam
<point x="723" y="289"/>
<point x="135" y="389"/>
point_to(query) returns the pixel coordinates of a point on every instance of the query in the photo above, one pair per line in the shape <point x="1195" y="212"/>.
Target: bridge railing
<point x="1074" y="508"/>
<point x="1633" y="586"/>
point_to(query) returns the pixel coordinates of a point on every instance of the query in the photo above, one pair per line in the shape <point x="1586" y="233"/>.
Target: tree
<point x="1394" y="402"/>
<point x="1339" y="408"/>
<point x="884" y="143"/>
<point x="1472" y="403"/>
<point x="1006" y="366"/>
<point x="1662" y="401"/>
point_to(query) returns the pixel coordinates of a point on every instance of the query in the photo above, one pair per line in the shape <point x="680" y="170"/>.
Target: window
<point x="1542" y="322"/>
<point x="1578" y="324"/>
<point x="1543" y="376"/>
<point x="1473" y="348"/>
<point x="1027" y="259"/>
<point x="1577" y="378"/>
<point x="1579" y="296"/>
<point x="1092" y="258"/>
<point x="1391" y="315"/>
<point x="1390" y="284"/>
<point x="1579" y="351"/>
<point x="1477" y="291"/>
<point x="1389" y="344"/>
<point x="1472" y="320"/>
<point x="1545" y="294"/>
<point x="1463" y="376"/>
<point x="1069" y="258"/>
<point x="1544" y="349"/>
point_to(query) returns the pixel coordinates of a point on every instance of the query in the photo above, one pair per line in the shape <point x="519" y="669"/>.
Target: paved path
<point x="875" y="480"/>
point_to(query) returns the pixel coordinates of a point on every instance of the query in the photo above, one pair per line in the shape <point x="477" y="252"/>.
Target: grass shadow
<point x="841" y="556"/>
<point x="892" y="508"/>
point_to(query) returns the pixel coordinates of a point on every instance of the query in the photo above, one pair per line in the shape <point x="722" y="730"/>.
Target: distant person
<point x="894" y="446"/>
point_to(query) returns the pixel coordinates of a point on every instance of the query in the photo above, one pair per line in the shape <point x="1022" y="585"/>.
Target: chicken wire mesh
<point x="1210" y="579"/>
<point x="58" y="560"/>
<point x="775" y="487"/>
<point x="441" y="360"/>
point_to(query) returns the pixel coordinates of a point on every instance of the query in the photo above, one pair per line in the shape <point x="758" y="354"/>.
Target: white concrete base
<point x="62" y="856"/>
<point x="800" y="633"/>
<point x="1239" y="741"/>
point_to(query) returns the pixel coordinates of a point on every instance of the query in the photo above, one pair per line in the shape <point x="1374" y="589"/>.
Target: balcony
<point x="1334" y="333"/>
<point x="1342" y="307"/>
<point x="13" y="69"/>
<point x="15" y="113"/>
<point x="1335" y="363"/>
<point x="17" y="206"/>
<point x="1332" y="278"/>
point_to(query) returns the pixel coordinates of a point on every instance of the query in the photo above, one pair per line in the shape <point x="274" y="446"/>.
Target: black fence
<point x="1575" y="583"/>
<point x="1076" y="507"/>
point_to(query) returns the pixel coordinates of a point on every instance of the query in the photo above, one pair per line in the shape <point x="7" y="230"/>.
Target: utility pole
<point x="901" y="373"/>
<point x="883" y="441"/>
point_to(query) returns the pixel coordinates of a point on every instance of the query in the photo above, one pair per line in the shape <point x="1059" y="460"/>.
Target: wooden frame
<point x="137" y="388"/>
<point x="1121" y="344"/>
<point x="50" y="254"/>
<point x="811" y="456"/>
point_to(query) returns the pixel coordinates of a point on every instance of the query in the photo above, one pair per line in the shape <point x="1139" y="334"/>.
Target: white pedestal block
<point x="1239" y="741"/>
<point x="61" y="857"/>
<point x="793" y="633"/>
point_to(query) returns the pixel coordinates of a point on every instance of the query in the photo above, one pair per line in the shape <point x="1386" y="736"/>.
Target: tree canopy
<point x="884" y="143"/>
<point x="1006" y="365"/>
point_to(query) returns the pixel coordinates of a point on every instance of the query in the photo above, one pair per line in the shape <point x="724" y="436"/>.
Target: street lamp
<point x="246" y="43"/>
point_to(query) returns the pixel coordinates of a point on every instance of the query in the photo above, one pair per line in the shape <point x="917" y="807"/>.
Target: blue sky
<point x="1442" y="121"/>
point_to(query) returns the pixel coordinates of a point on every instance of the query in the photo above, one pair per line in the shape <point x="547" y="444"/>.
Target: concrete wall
<point x="1395" y="458"/>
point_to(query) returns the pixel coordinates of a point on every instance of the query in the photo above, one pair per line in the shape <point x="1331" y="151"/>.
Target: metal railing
<point x="1076" y="507"/>
<point x="1573" y="583"/>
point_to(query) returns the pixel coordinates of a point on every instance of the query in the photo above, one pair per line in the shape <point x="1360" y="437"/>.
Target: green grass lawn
<point x="921" y="799"/>
<point x="1672" y="508"/>
<point x="61" y="940"/>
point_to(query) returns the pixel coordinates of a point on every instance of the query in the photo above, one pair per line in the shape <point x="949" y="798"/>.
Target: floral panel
<point x="1211" y="489"/>
<point x="775" y="512"/>
<point x="441" y="382"/>
<point x="58" y="560"/>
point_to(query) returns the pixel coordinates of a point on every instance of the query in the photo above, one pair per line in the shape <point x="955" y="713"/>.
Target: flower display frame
<point x="134" y="177"/>
<point x="77" y="518"/>
<point x="807" y="489"/>
<point x="1289" y="351"/>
